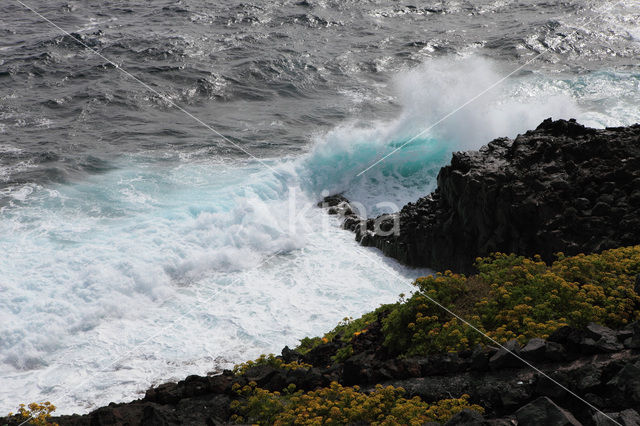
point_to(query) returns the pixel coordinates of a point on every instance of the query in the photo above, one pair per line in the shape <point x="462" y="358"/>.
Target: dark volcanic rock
<point x="467" y="417"/>
<point x="534" y="350"/>
<point x="626" y="384"/>
<point x="543" y="411"/>
<point x="628" y="417"/>
<point x="633" y="341"/>
<point x="504" y="357"/>
<point x="593" y="339"/>
<point x="321" y="355"/>
<point x="561" y="187"/>
<point x="609" y="379"/>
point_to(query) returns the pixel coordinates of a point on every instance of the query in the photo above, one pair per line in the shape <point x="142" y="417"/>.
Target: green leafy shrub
<point x="345" y="330"/>
<point x="338" y="405"/>
<point x="516" y="297"/>
<point x="531" y="299"/>
<point x="270" y="360"/>
<point x="419" y="326"/>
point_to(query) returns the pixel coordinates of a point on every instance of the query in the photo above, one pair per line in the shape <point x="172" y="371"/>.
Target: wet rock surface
<point x="562" y="187"/>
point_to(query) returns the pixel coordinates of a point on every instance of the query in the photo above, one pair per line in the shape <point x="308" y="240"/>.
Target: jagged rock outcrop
<point x="561" y="187"/>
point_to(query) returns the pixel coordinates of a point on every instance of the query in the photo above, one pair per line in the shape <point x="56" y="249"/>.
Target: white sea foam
<point x="104" y="265"/>
<point x="155" y="270"/>
<point x="429" y="93"/>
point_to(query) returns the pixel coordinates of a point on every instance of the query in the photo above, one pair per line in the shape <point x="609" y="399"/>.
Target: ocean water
<point x="139" y="247"/>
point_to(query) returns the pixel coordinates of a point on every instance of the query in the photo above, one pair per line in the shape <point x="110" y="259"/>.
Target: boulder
<point x="555" y="352"/>
<point x="167" y="393"/>
<point x="628" y="417"/>
<point x="604" y="338"/>
<point x="626" y="384"/>
<point x="154" y="415"/>
<point x="360" y="369"/>
<point x="289" y="355"/>
<point x="320" y="356"/>
<point x="593" y="339"/>
<point x="261" y="374"/>
<point x="543" y="411"/>
<point x="504" y="357"/>
<point x="534" y="350"/>
<point x="632" y="340"/>
<point x="480" y="358"/>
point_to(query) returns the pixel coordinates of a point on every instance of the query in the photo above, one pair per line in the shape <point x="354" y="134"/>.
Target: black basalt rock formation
<point x="562" y="187"/>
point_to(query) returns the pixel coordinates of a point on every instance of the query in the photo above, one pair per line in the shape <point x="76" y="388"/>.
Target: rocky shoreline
<point x="561" y="187"/>
<point x="599" y="364"/>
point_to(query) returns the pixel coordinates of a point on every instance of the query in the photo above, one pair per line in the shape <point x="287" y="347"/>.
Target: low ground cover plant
<point x="339" y="405"/>
<point x="510" y="297"/>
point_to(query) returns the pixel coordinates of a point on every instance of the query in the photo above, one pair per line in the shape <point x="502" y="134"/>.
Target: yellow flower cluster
<point x="36" y="414"/>
<point x="516" y="297"/>
<point x="270" y="360"/>
<point x="338" y="405"/>
<point x="572" y="291"/>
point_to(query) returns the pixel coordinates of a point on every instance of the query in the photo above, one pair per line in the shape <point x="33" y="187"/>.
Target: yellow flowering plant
<point x="516" y="297"/>
<point x="35" y="413"/>
<point x="339" y="405"/>
<point x="270" y="360"/>
<point x="345" y="331"/>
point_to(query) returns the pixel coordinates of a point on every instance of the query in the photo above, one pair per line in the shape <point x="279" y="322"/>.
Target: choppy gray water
<point x="119" y="213"/>
<point x="266" y="74"/>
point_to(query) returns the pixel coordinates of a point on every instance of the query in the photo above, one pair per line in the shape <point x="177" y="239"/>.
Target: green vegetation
<point x="511" y="297"/>
<point x="271" y="361"/>
<point x="516" y="297"/>
<point x="344" y="332"/>
<point x="338" y="405"/>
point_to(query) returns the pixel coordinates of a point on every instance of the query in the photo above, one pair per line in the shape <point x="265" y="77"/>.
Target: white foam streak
<point x="94" y="269"/>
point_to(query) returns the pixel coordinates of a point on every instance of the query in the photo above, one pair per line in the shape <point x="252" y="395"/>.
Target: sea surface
<point x="139" y="246"/>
